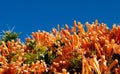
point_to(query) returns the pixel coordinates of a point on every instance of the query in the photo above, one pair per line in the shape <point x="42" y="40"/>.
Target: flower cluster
<point x="94" y="49"/>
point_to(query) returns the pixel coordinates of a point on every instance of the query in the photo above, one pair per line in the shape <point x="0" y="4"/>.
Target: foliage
<point x="75" y="63"/>
<point x="8" y="36"/>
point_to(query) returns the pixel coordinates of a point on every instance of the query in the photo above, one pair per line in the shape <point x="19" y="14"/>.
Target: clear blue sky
<point x="30" y="15"/>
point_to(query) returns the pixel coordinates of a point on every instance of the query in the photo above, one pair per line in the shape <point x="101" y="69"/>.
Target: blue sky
<point x="30" y="15"/>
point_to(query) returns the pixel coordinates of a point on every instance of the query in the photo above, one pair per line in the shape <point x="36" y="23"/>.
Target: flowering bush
<point x="95" y="50"/>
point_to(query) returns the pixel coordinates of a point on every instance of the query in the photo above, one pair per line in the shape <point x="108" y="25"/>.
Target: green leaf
<point x="32" y="44"/>
<point x="30" y="57"/>
<point x="75" y="63"/>
<point x="8" y="36"/>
